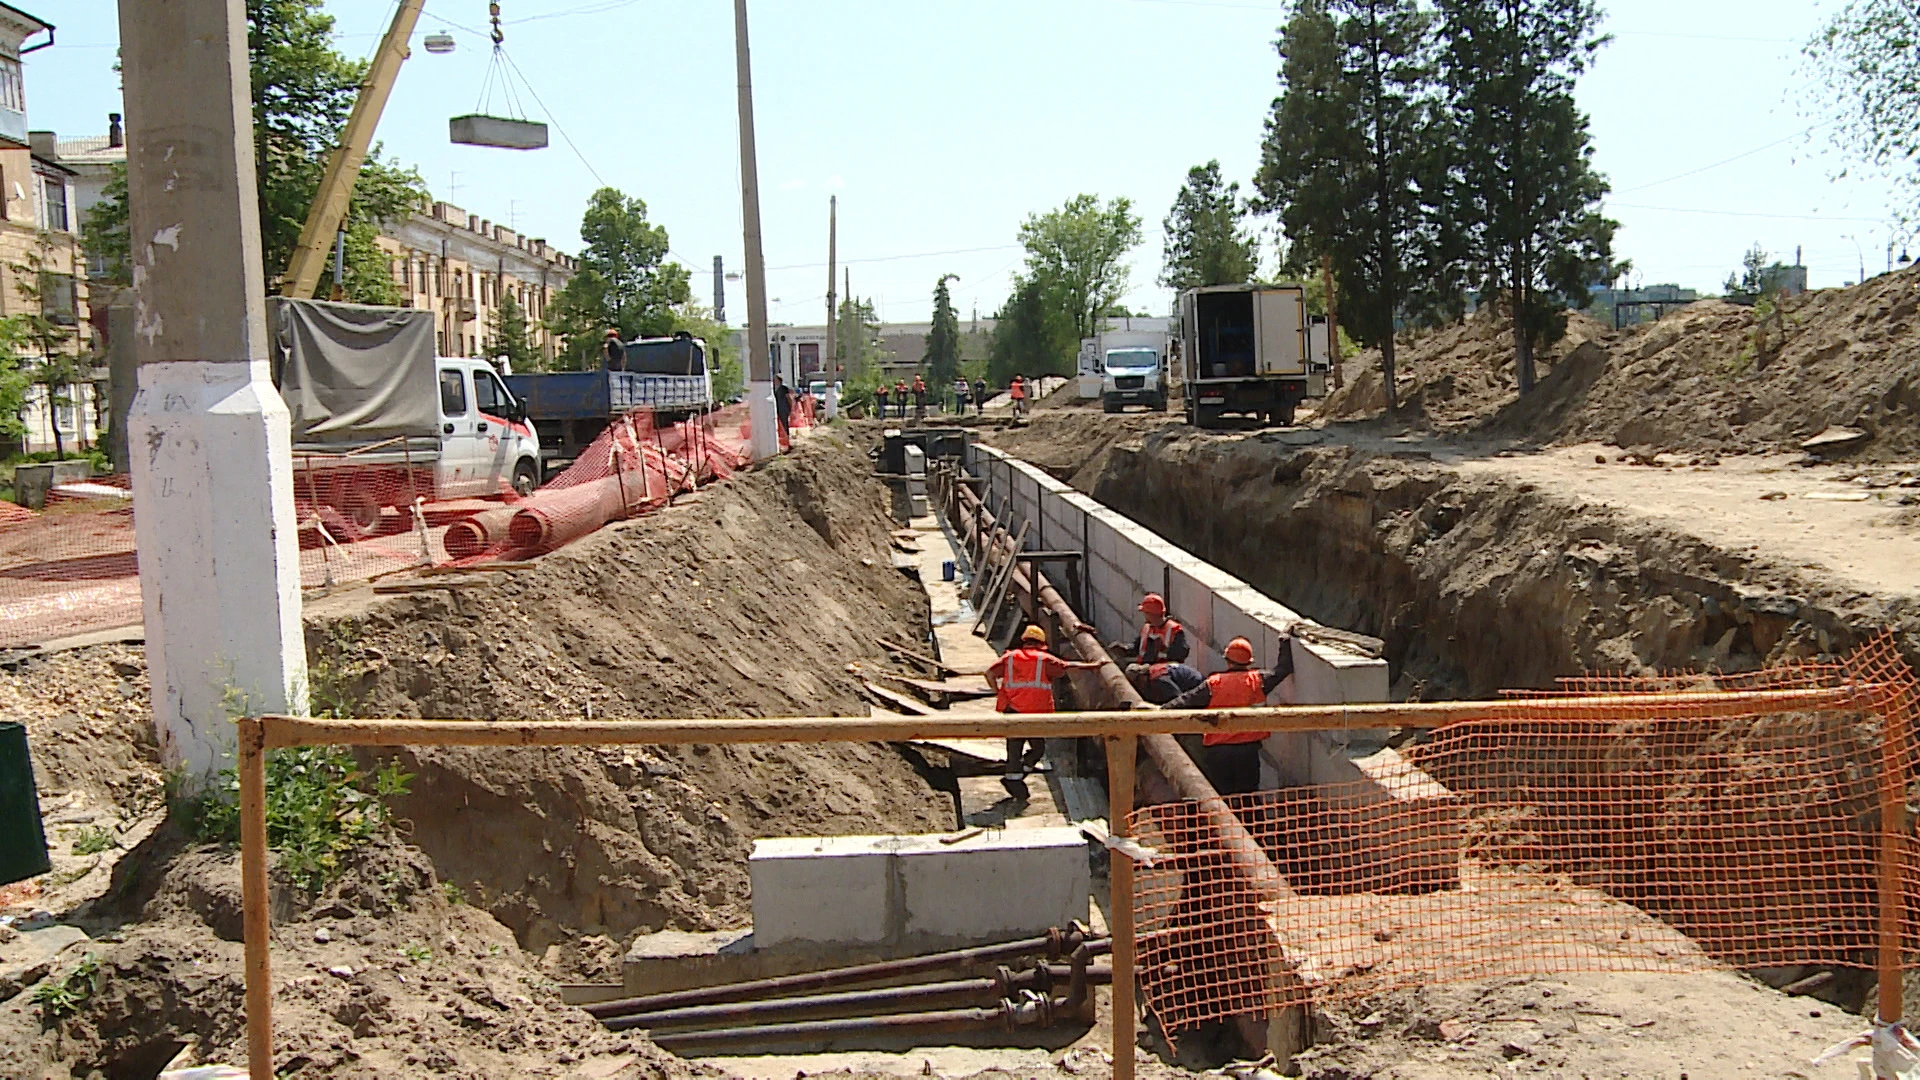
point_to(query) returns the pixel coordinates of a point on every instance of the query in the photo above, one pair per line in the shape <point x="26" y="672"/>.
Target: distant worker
<point x="783" y="408"/>
<point x="1161" y="683"/>
<point x="880" y="399"/>
<point x="979" y="397"/>
<point x="1161" y="639"/>
<point x="1231" y="759"/>
<point x="919" y="398"/>
<point x="960" y="396"/>
<point x="900" y="396"/>
<point x="1022" y="680"/>
<point x="615" y="351"/>
<point x="1017" y="392"/>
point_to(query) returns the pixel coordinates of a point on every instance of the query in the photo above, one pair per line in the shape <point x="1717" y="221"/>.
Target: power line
<point x="1727" y="161"/>
<point x="1747" y="214"/>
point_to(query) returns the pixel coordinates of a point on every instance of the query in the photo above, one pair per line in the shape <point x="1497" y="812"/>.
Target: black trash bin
<point x="23" y="844"/>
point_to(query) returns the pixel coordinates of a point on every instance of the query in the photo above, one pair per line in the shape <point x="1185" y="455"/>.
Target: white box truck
<point x="1250" y="350"/>
<point x="1133" y="368"/>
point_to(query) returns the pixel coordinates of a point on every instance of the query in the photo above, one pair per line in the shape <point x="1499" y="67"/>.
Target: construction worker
<point x="960" y="396"/>
<point x="1161" y="639"/>
<point x="919" y="398"/>
<point x="900" y="396"/>
<point x="616" y="352"/>
<point x="1231" y="759"/>
<point x="1022" y="680"/>
<point x="1017" y="393"/>
<point x="1161" y="683"/>
<point x="979" y="397"/>
<point x="880" y="399"/>
<point x="783" y="408"/>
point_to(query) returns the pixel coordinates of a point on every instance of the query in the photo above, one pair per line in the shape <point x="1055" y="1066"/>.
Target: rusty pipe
<point x="1055" y="944"/>
<point x="1004" y="983"/>
<point x="1033" y="1010"/>
<point x="1117" y="693"/>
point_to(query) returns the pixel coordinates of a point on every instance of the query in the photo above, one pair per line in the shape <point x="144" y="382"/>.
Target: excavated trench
<point x="1477" y="585"/>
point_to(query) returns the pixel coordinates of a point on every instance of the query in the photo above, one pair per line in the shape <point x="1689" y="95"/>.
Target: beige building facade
<point x="459" y="266"/>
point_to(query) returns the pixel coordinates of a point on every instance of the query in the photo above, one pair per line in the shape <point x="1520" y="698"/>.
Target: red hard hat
<point x="1153" y="602"/>
<point x="1239" y="651"/>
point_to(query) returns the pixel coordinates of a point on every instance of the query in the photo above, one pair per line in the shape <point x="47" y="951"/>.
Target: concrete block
<point x="826" y="889"/>
<point x="1333" y="676"/>
<point x="920" y="506"/>
<point x="916" y="460"/>
<point x="1149" y="571"/>
<point x="1230" y="620"/>
<point x="1102" y="539"/>
<point x="1190" y="602"/>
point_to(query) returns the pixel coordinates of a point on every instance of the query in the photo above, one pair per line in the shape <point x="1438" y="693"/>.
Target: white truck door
<point x="493" y="442"/>
<point x="459" y="437"/>
<point x="1279" y="318"/>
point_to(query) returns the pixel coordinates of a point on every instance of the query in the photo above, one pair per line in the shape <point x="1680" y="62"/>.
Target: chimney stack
<point x="116" y="135"/>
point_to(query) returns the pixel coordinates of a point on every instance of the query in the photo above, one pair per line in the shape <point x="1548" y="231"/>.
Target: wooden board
<point x="897" y="702"/>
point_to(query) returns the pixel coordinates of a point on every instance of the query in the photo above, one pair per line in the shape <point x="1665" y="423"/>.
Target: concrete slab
<point x="830" y="890"/>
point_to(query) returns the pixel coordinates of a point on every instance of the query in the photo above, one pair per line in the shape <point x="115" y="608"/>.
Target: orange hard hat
<point x="1239" y="651"/>
<point x="1034" y="633"/>
<point x="1153" y="603"/>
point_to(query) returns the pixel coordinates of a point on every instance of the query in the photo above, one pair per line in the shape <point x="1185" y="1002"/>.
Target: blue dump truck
<point x="570" y="409"/>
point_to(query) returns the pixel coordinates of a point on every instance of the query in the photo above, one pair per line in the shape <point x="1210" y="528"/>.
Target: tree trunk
<point x="1386" y="372"/>
<point x="1522" y="349"/>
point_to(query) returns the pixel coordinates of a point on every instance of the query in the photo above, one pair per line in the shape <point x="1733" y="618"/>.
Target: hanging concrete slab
<point x="498" y="131"/>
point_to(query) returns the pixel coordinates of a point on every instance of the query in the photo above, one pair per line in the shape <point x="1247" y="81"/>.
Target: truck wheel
<point x="526" y="477"/>
<point x="1110" y="405"/>
<point x="1283" y="416"/>
<point x="1206" y="417"/>
<point x="1160" y="403"/>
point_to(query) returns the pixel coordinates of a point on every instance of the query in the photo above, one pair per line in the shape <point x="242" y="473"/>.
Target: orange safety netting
<point x="70" y="568"/>
<point x="1584" y="836"/>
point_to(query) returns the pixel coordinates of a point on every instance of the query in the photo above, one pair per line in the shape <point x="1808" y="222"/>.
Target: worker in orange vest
<point x="900" y="396"/>
<point x="1231" y="759"/>
<point x="1017" y="393"/>
<point x="1022" y="680"/>
<point x="1162" y="640"/>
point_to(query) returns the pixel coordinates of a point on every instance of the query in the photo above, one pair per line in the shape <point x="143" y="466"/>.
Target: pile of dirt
<point x="1062" y="441"/>
<point x="1710" y="377"/>
<point x="749" y="601"/>
<point x="379" y="975"/>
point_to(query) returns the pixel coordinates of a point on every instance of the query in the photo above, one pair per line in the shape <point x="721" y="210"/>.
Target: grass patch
<point x="63" y="996"/>
<point x="320" y="805"/>
<point x="454" y="893"/>
<point x="94" y="839"/>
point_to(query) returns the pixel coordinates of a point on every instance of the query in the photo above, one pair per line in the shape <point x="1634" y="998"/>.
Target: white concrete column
<point x="208" y="434"/>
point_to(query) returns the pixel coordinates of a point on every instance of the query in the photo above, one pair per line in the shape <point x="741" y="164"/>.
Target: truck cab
<point x="1133" y="373"/>
<point x="486" y="443"/>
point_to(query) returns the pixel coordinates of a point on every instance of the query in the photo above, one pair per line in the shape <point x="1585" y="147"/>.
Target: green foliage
<point x="510" y="334"/>
<point x="724" y="360"/>
<point x="454" y="893"/>
<point x="1760" y="277"/>
<point x="319" y="807"/>
<point x="623" y="281"/>
<point x="58" y="364"/>
<point x="942" y="358"/>
<point x="94" y="839"/>
<point x="1525" y="195"/>
<point x="1207" y="240"/>
<point x="103" y="235"/>
<point x="416" y="953"/>
<point x="1354" y="159"/>
<point x="16" y="378"/>
<point x="1866" y="80"/>
<point x="1031" y="336"/>
<point x="1074" y="257"/>
<point x="858" y="337"/>
<point x="62" y="995"/>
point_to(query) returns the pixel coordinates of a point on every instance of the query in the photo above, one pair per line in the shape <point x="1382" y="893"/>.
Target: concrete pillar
<point x="765" y="436"/>
<point x="123" y="372"/>
<point x="211" y="454"/>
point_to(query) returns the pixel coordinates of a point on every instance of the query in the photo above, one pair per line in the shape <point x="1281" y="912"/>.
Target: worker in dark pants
<point x="1231" y="759"/>
<point x="1022" y="680"/>
<point x="979" y="397"/>
<point x="616" y="352"/>
<point x="880" y="399"/>
<point x="783" y="407"/>
<point x="919" y="399"/>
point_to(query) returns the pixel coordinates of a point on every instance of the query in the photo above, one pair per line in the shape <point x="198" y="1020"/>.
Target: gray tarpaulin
<point x="352" y="373"/>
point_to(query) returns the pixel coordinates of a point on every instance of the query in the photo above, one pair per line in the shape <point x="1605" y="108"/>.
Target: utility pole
<point x="833" y="259"/>
<point x="212" y="457"/>
<point x="1333" y="320"/>
<point x="765" y="438"/>
<point x="719" y="291"/>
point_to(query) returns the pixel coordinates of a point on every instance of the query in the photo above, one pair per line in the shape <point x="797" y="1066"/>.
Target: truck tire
<point x="1283" y="415"/>
<point x="1110" y="405"/>
<point x="1206" y="417"/>
<point x="526" y="477"/>
<point x="1160" y="403"/>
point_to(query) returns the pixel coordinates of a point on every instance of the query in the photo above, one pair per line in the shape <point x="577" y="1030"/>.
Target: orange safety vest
<point x="1234" y="690"/>
<point x="1024" y="686"/>
<point x="1164" y="635"/>
<point x="1017" y="390"/>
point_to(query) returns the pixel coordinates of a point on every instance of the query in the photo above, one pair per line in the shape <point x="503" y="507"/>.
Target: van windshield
<point x="1133" y="358"/>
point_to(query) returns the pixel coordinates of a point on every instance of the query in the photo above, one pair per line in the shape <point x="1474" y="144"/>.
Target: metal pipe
<point x="1006" y="1016"/>
<point x="1056" y="943"/>
<point x="1004" y="983"/>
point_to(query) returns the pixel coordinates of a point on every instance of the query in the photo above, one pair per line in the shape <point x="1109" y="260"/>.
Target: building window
<point x="13" y="89"/>
<point x="56" y="298"/>
<point x="63" y="408"/>
<point x="440" y="342"/>
<point x="53" y="204"/>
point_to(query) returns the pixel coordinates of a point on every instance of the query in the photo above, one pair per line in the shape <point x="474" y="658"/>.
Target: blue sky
<point x="940" y="124"/>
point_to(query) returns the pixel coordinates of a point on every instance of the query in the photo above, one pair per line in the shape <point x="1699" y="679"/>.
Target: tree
<point x="302" y="91"/>
<point x="15" y="378"/>
<point x="1353" y="160"/>
<point x="1207" y="241"/>
<point x="623" y="280"/>
<point x="1525" y="186"/>
<point x="858" y="333"/>
<point x="722" y="358"/>
<point x="1866" y="67"/>
<point x="1031" y="336"/>
<point x="942" y="358"/>
<point x="510" y="334"/>
<point x="1074" y="253"/>
<point x="103" y="235"/>
<point x="46" y="326"/>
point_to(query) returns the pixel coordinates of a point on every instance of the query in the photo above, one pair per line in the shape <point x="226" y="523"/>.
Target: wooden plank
<point x="975" y="687"/>
<point x="901" y="650"/>
<point x="900" y="702"/>
<point x="390" y="588"/>
<point x="255" y="929"/>
<point x="1121" y="753"/>
<point x="997" y="595"/>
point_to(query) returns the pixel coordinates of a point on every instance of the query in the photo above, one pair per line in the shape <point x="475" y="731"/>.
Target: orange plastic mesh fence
<point x="70" y="568"/>
<point x="1583" y="837"/>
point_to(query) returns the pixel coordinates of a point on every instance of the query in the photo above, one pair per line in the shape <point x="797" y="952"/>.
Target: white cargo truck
<point x="1250" y="350"/>
<point x="1133" y="368"/>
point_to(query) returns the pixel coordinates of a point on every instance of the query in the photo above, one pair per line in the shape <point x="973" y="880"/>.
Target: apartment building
<point x="459" y="266"/>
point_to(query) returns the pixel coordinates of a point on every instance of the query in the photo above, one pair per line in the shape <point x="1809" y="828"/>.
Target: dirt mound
<point x="380" y="975"/>
<point x="1063" y="441"/>
<point x="750" y="601"/>
<point x="1710" y="377"/>
<point x="88" y="726"/>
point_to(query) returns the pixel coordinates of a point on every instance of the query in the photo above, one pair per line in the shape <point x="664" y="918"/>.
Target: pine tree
<point x="1354" y="160"/>
<point x="48" y="299"/>
<point x="510" y="335"/>
<point x="942" y="358"/>
<point x="1525" y="187"/>
<point x="1207" y="241"/>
